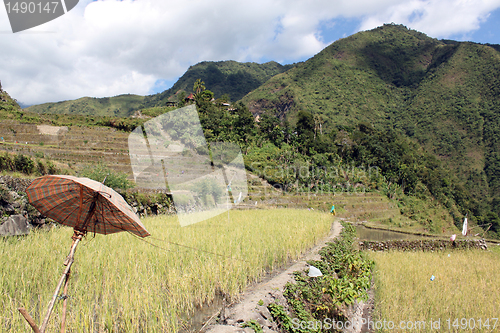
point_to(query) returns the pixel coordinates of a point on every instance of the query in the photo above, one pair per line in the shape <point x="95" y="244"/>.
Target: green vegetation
<point x="307" y="158"/>
<point x="253" y="325"/>
<point x="26" y="165"/>
<point x="346" y="278"/>
<point x="465" y="286"/>
<point x="388" y="110"/>
<point x="26" y="117"/>
<point x="229" y="78"/>
<point x="101" y="173"/>
<point x="441" y="94"/>
<point x="117" y="106"/>
<point x="7" y="104"/>
<point x="121" y="283"/>
<point x="209" y="190"/>
<point x="112" y="112"/>
<point x="410" y="170"/>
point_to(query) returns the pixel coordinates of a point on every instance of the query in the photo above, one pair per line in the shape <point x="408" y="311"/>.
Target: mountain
<point x="365" y="90"/>
<point x="224" y="77"/>
<point x="118" y="106"/>
<point x="443" y="94"/>
<point x="232" y="78"/>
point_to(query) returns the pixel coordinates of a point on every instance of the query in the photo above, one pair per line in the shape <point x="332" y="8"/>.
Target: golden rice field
<point x="120" y="283"/>
<point x="463" y="297"/>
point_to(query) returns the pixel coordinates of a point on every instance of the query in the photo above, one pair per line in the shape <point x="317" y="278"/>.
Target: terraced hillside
<point x="74" y="145"/>
<point x="441" y="94"/>
<point x="371" y="206"/>
<point x="77" y="146"/>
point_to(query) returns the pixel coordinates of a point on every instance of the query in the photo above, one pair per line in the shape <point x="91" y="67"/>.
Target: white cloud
<point x="437" y="18"/>
<point x="105" y="48"/>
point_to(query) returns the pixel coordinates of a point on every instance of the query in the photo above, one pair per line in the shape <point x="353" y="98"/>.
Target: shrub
<point x="41" y="168"/>
<point x="51" y="168"/>
<point x="99" y="172"/>
<point x="24" y="164"/>
<point x="6" y="162"/>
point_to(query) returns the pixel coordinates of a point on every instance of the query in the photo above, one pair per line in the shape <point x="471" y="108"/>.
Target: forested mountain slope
<point x="231" y="78"/>
<point x="444" y="94"/>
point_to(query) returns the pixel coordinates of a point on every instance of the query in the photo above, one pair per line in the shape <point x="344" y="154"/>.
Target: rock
<point x="264" y="323"/>
<point x="16" y="225"/>
<point x="8" y="208"/>
<point x="228" y="329"/>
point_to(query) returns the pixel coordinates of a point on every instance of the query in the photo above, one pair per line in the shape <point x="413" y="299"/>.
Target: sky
<point x="109" y="47"/>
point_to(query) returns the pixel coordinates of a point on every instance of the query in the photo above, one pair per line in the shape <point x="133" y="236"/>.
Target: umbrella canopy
<point x="84" y="204"/>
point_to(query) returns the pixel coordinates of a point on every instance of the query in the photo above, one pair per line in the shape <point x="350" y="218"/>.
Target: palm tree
<point x="199" y="86"/>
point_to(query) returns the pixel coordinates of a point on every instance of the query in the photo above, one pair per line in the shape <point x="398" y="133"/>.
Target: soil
<point x="254" y="301"/>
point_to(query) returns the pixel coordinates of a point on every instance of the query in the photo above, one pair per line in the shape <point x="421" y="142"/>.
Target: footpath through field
<point x="254" y="301"/>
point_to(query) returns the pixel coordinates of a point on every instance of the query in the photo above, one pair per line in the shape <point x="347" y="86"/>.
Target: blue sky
<point x="110" y="47"/>
<point x="489" y="31"/>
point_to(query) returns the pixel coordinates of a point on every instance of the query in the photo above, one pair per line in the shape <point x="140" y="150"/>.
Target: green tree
<point x="244" y="124"/>
<point x="205" y="95"/>
<point x="208" y="187"/>
<point x="271" y="129"/>
<point x="199" y="87"/>
<point x="305" y="130"/>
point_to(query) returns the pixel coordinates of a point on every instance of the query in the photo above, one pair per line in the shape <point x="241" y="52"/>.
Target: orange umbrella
<point x="85" y="205"/>
<point x="70" y="200"/>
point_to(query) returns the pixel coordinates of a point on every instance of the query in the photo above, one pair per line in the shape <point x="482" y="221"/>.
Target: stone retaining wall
<point x="422" y="245"/>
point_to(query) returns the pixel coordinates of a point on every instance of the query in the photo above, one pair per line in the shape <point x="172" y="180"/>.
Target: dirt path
<point x="268" y="291"/>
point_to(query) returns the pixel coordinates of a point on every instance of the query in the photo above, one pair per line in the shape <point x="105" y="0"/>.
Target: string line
<point x="186" y="246"/>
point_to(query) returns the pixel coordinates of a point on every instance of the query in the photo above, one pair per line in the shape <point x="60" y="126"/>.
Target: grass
<point x="466" y="285"/>
<point x="120" y="283"/>
<point x="17" y="174"/>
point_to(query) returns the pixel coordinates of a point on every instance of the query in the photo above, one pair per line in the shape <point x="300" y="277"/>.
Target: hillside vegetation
<point x="230" y="78"/>
<point x="7" y="104"/>
<point x="118" y="106"/>
<point x="442" y="94"/>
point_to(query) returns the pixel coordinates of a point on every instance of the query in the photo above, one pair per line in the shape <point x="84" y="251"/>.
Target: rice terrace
<point x="357" y="191"/>
<point x="131" y="286"/>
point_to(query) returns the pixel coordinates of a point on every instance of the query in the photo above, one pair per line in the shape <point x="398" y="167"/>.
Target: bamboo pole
<point x="79" y="232"/>
<point x="69" y="261"/>
<point x="65" y="303"/>
<point x="30" y="320"/>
